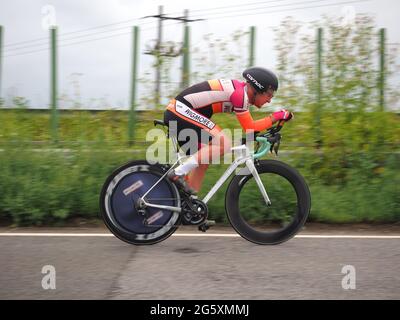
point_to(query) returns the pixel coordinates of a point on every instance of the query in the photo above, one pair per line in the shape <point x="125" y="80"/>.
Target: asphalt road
<point x="199" y="268"/>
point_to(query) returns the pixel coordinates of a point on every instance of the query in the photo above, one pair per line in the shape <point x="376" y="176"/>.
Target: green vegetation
<point x="351" y="178"/>
<point x="340" y="140"/>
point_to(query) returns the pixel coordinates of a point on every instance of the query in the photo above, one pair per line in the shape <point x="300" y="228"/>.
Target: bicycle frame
<point x="245" y="157"/>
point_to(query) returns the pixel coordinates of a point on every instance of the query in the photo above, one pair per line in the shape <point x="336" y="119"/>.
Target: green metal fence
<point x="185" y="74"/>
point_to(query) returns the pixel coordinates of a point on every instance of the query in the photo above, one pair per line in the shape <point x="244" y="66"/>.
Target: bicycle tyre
<point x="110" y="216"/>
<point x="267" y="238"/>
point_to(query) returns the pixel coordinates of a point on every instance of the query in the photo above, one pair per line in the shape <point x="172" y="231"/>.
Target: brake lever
<point x="275" y="143"/>
<point x="276" y="147"/>
<point x="271" y="148"/>
<point x="274" y="137"/>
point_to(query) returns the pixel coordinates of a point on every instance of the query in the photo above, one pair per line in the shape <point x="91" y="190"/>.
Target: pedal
<point x="206" y="225"/>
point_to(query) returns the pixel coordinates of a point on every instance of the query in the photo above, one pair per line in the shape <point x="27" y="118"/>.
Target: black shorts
<point x="200" y="131"/>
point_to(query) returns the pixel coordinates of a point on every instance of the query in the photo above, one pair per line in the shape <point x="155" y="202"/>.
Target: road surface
<point x="189" y="265"/>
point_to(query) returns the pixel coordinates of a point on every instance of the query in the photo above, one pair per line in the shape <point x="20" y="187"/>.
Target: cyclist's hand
<point x="282" y="115"/>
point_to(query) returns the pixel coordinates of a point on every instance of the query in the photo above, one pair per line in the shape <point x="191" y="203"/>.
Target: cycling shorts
<point x="200" y="131"/>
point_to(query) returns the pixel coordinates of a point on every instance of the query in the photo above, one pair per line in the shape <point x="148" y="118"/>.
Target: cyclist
<point x="194" y="107"/>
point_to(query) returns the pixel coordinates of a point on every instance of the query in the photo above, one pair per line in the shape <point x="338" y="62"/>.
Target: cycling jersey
<point x="194" y="106"/>
<point x="215" y="96"/>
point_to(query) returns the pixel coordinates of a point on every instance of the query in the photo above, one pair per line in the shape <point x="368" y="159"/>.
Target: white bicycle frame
<point x="245" y="157"/>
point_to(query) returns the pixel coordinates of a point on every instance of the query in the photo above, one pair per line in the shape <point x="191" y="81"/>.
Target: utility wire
<point x="83" y="36"/>
<point x="288" y="9"/>
<point x="46" y="40"/>
<point x="230" y="6"/>
<point x="77" y="31"/>
<point x="80" y="42"/>
<point x="228" y="10"/>
<point x="212" y="12"/>
<point x="71" y="38"/>
<point x="211" y="18"/>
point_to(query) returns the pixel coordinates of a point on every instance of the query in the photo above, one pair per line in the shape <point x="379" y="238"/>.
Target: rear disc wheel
<point x="119" y="198"/>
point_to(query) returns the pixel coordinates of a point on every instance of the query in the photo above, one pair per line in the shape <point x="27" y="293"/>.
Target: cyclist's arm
<point x="247" y="122"/>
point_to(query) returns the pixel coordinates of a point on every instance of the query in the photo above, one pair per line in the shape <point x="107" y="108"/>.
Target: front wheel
<point x="290" y="205"/>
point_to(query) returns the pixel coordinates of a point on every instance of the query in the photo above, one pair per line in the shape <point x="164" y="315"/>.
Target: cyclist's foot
<point x="206" y="225"/>
<point x="181" y="182"/>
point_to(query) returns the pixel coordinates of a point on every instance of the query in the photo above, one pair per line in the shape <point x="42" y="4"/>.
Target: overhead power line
<point x="210" y="10"/>
<point x="74" y="32"/>
<point x="230" y="6"/>
<point x="242" y="14"/>
<point x="79" y="42"/>
<point x="165" y="17"/>
<point x="71" y="38"/>
<point x="285" y="10"/>
<point x="264" y="6"/>
<point x="46" y="41"/>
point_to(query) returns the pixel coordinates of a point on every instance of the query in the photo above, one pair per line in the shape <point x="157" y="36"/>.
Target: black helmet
<point x="261" y="79"/>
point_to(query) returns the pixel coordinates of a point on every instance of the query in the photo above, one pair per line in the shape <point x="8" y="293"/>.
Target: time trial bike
<point x="266" y="201"/>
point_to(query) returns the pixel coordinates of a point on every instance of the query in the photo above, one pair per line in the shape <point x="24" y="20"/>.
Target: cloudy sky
<point x="95" y="39"/>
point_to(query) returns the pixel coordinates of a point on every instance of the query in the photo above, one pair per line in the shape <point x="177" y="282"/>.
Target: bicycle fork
<point x="253" y="170"/>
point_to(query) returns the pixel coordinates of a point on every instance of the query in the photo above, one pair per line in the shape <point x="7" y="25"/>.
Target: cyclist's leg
<point x="201" y="128"/>
<point x="218" y="142"/>
<point x="218" y="146"/>
<point x="196" y="176"/>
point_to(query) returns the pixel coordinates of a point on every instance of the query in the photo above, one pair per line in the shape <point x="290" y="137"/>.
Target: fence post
<point x="135" y="53"/>
<point x="318" y="110"/>
<point x="252" y="46"/>
<point x="186" y="61"/>
<point x="159" y="58"/>
<point x="382" y="69"/>
<point x="53" y="84"/>
<point x="1" y="60"/>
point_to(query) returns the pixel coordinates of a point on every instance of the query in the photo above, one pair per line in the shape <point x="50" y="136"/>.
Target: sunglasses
<point x="269" y="93"/>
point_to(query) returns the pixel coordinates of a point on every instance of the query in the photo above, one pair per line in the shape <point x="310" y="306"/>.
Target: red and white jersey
<point x="215" y="96"/>
<point x="199" y="102"/>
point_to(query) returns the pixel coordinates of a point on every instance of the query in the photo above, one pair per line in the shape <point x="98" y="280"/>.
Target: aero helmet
<point x="261" y="79"/>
